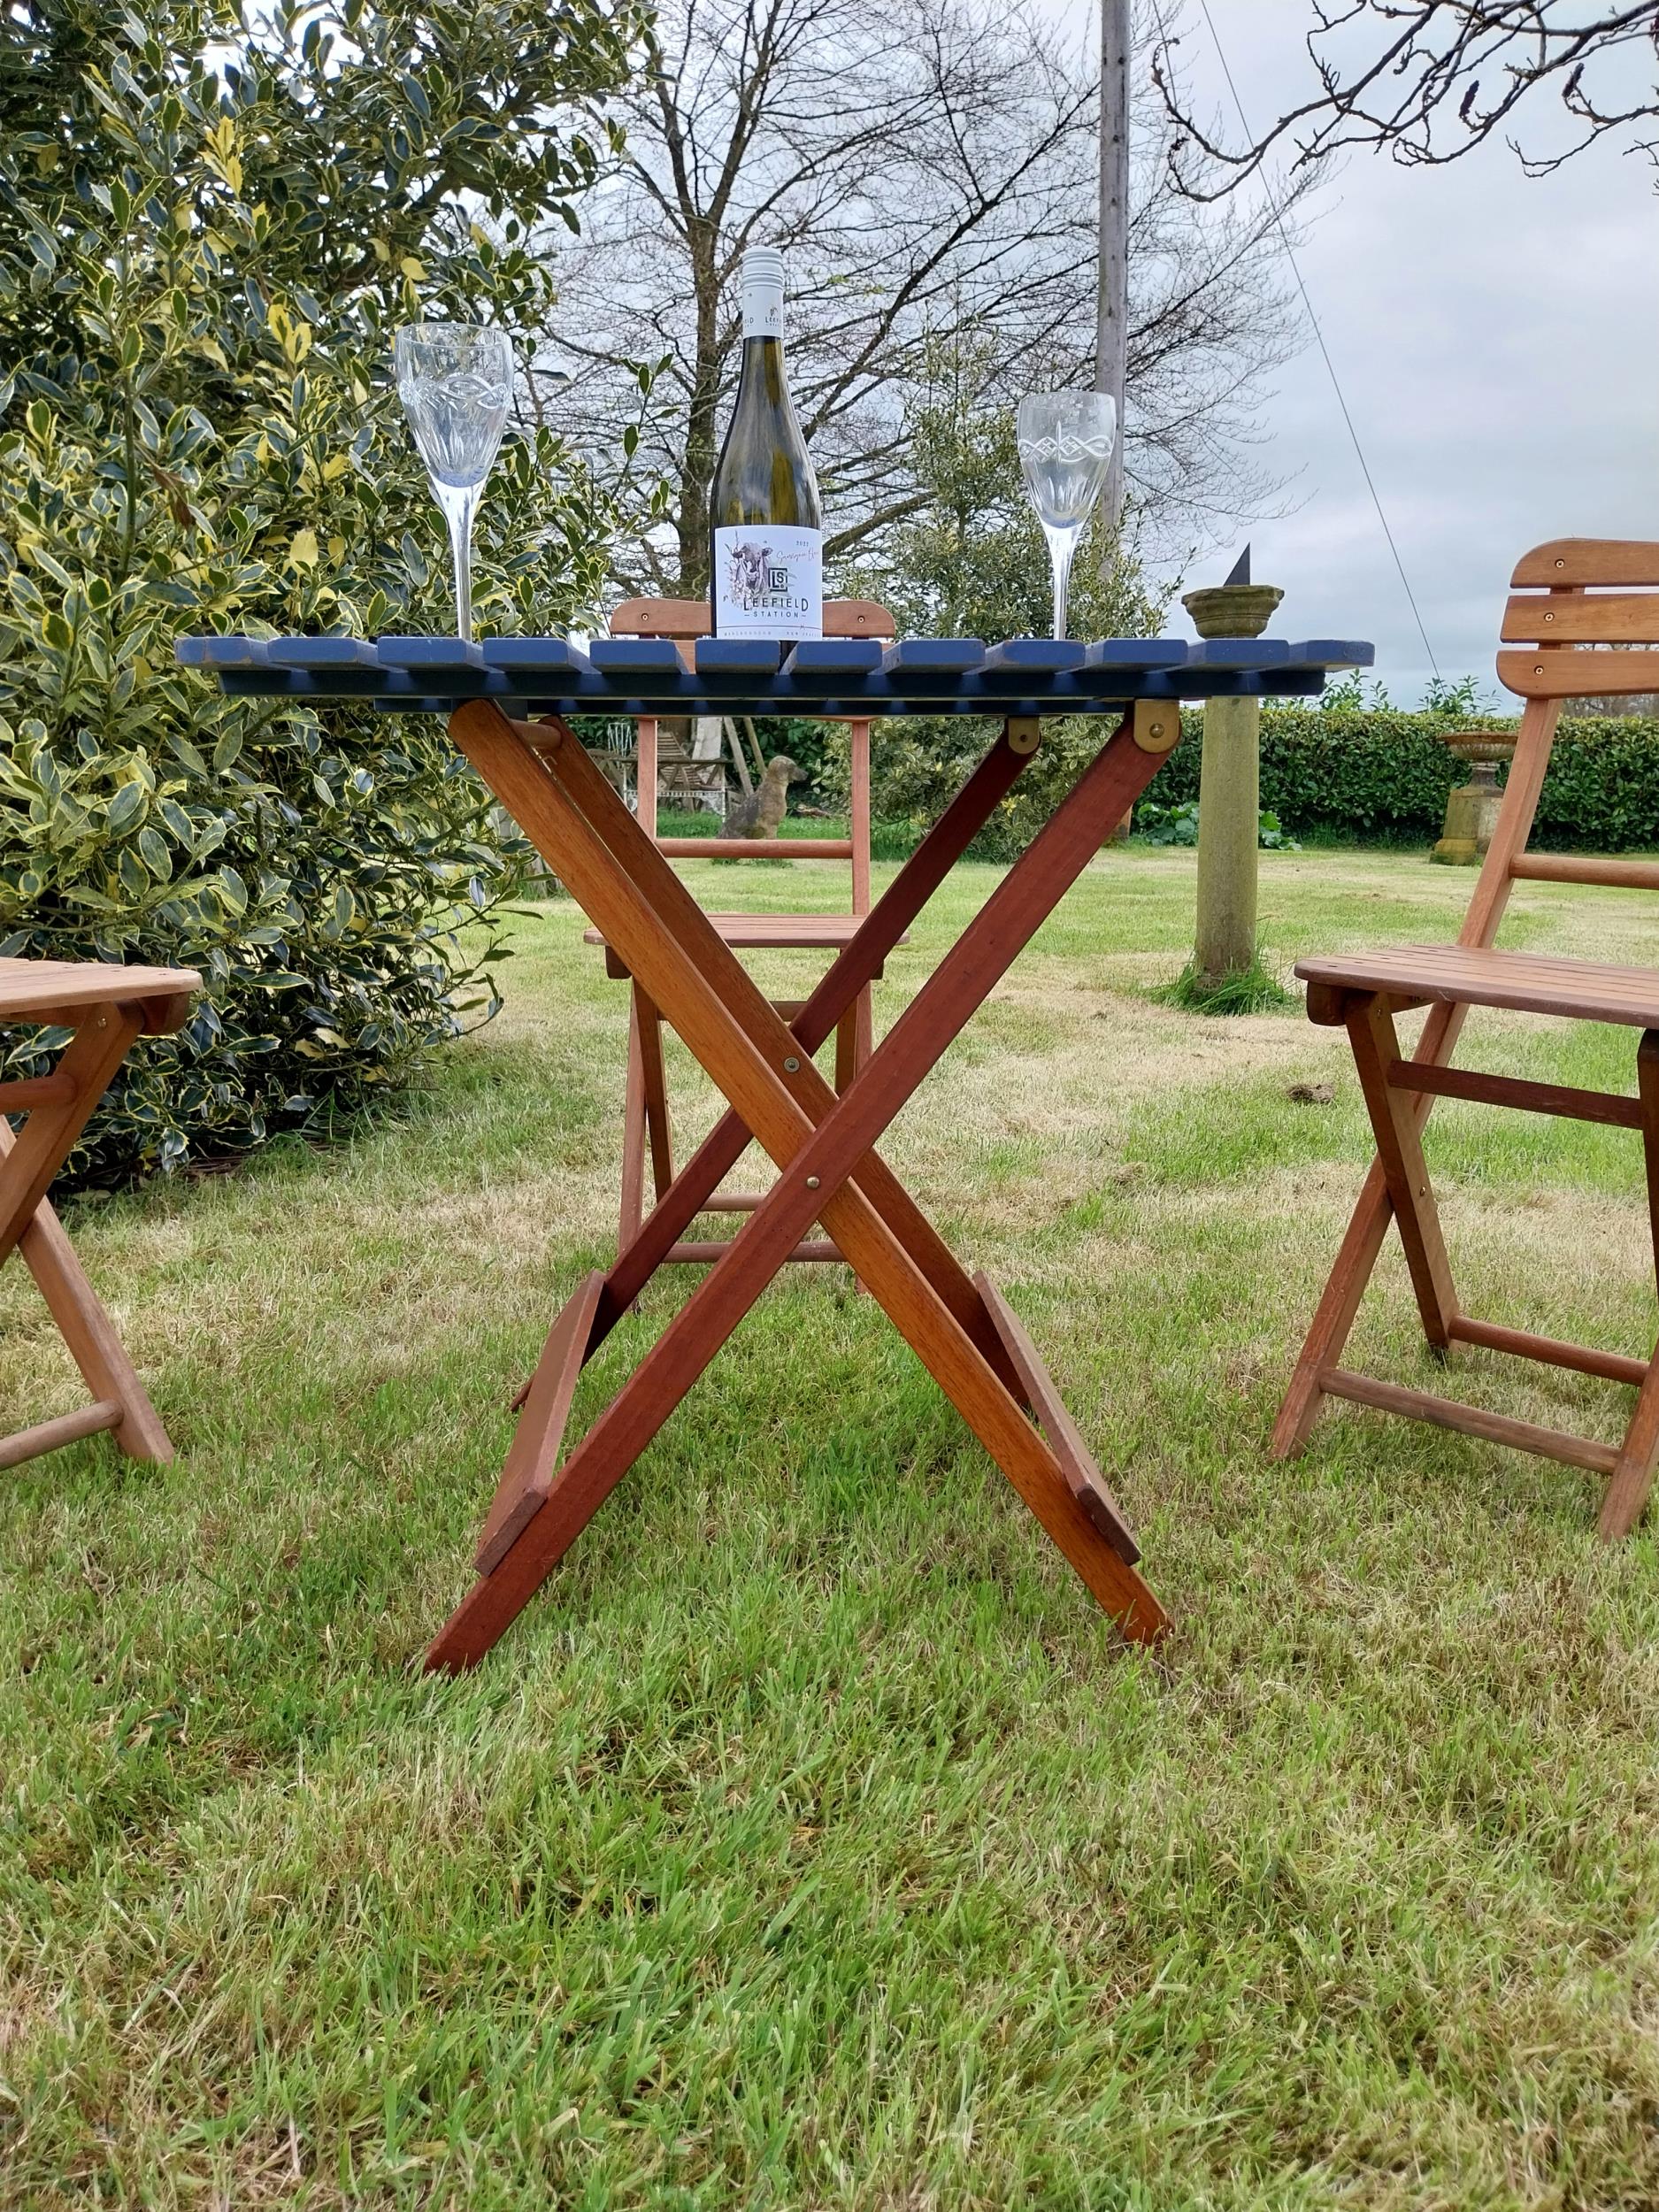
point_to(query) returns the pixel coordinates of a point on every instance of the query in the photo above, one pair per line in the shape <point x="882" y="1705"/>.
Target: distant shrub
<point x="1179" y="825"/>
<point x="1369" y="773"/>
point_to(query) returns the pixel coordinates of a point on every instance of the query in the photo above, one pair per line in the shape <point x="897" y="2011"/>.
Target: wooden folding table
<point x="508" y="702"/>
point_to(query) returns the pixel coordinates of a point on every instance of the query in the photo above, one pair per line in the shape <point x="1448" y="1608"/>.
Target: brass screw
<point x="1538" y="668"/>
<point x="1560" y="563"/>
<point x="1550" y="617"/>
<point x="791" y="1066"/>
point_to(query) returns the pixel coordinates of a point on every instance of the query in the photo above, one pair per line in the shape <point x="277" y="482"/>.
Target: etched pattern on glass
<point x="455" y="383"/>
<point x="1066" y="442"/>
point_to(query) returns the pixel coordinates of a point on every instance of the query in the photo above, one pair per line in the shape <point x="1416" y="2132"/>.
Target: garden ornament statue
<point x="762" y="812"/>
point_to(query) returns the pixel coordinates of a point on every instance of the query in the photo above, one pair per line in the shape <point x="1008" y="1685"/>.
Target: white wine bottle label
<point x="769" y="580"/>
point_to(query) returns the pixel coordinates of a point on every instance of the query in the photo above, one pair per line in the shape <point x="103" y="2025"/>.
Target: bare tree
<point x="930" y="169"/>
<point x="1432" y="80"/>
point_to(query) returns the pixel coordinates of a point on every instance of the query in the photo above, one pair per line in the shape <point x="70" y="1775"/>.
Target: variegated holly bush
<point x="212" y="227"/>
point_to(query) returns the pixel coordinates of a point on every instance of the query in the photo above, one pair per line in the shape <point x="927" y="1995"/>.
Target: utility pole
<point x="1112" y="300"/>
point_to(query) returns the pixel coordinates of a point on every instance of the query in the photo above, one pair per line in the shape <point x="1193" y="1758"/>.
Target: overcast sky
<point x="1497" y="337"/>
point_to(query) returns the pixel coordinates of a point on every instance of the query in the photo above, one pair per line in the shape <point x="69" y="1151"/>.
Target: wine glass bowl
<point x="455" y="383"/>
<point x="1064" y="441"/>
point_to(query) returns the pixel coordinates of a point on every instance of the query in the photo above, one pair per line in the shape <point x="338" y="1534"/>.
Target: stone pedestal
<point x="1472" y="810"/>
<point x="1229" y="792"/>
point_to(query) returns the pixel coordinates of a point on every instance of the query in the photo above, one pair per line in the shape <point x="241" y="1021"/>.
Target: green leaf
<point x="125" y="808"/>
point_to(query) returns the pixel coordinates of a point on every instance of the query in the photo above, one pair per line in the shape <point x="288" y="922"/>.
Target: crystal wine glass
<point x="1065" y="442"/>
<point x="455" y="383"/>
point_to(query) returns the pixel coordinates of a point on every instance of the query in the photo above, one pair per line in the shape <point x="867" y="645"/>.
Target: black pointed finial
<point x="1241" y="568"/>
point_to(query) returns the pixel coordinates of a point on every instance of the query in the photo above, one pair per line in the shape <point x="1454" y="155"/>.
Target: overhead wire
<point x="1325" y="351"/>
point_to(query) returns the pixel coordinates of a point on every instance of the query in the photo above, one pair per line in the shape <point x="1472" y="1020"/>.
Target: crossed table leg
<point x="823" y="1147"/>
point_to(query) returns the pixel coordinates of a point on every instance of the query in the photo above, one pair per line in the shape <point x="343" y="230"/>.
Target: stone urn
<point x="1471" y="811"/>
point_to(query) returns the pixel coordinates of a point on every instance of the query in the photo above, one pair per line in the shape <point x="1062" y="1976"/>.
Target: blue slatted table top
<point x="830" y="676"/>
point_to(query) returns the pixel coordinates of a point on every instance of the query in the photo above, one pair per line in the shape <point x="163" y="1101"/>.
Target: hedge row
<point x="1378" y="774"/>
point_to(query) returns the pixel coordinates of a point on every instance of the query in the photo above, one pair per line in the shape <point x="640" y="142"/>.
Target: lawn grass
<point x="810" y="1841"/>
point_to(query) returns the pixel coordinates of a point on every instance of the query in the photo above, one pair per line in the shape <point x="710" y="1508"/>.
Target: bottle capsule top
<point x="762" y="292"/>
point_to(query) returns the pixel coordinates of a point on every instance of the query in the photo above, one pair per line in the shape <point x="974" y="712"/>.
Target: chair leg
<point x="847" y="1056"/>
<point x="864" y="1018"/>
<point x="1633" y="1470"/>
<point x="85" y="1325"/>
<point x="1371" y="1031"/>
<point x="633" y="1136"/>
<point x="854" y="1039"/>
<point x="90" y="1334"/>
<point x="1355" y="1261"/>
<point x="654" y="1092"/>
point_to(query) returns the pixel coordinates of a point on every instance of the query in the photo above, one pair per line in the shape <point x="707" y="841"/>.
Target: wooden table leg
<point x="825" y="1170"/>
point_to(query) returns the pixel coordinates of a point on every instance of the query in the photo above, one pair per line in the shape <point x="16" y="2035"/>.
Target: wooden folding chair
<point x="106" y="1007"/>
<point x="1581" y="604"/>
<point x="646" y="1126"/>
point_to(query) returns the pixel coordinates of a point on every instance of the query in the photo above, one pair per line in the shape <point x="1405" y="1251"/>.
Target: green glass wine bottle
<point x="766" y="567"/>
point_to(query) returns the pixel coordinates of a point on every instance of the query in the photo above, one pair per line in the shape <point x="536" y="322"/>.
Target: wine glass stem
<point x="460" y="504"/>
<point x="1062" y="544"/>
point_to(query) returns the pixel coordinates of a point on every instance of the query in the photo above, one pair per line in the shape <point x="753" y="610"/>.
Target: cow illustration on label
<point x="755" y="580"/>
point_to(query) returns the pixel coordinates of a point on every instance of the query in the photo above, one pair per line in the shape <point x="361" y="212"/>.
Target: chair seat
<point x="40" y="990"/>
<point x="1528" y="982"/>
<point x="779" y="932"/>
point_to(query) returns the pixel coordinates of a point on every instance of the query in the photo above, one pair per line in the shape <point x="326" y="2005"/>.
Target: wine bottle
<point x="767" y="572"/>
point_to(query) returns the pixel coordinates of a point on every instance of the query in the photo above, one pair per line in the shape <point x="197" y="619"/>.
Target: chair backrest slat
<point x="1583" y="618"/>
<point x="1597" y="563"/>
<point x="1540" y="674"/>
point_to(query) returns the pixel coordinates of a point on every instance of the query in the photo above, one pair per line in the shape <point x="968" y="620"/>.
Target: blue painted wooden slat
<point x="738" y="658"/>
<point x="835" y="658"/>
<point x="1336" y="652"/>
<point x="636" y="656"/>
<point x="532" y="652"/>
<point x="1024" y="658"/>
<point x="1137" y="652"/>
<point x="428" y="652"/>
<point x="223" y="652"/>
<point x="1240" y="652"/>
<point x="321" y="652"/>
<point x="933" y="657"/>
